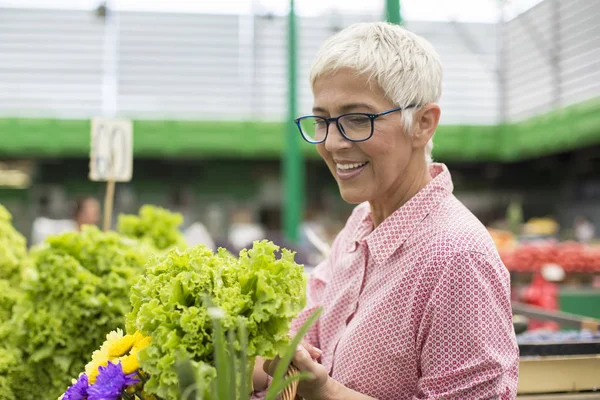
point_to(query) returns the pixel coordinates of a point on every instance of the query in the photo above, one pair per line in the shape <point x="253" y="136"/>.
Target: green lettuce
<point x="9" y="295"/>
<point x="13" y="248"/>
<point x="75" y="291"/>
<point x="155" y="226"/>
<point x="169" y="303"/>
<point x="13" y="256"/>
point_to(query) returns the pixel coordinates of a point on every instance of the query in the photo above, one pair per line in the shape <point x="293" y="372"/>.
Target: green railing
<point x="566" y="129"/>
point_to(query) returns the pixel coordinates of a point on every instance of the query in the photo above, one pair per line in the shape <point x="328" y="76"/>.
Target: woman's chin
<point x="353" y="196"/>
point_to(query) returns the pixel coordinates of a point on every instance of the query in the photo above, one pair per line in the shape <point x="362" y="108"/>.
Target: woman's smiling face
<point x="369" y="170"/>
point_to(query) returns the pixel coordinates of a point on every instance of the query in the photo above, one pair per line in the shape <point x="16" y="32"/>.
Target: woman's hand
<point x="320" y="386"/>
<point x="305" y="359"/>
<point x="259" y="377"/>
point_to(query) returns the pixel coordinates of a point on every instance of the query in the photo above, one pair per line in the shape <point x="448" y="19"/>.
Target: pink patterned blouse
<point x="418" y="308"/>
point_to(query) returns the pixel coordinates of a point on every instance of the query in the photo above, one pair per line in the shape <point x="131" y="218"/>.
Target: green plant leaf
<point x="233" y="368"/>
<point x="246" y="370"/>
<point x="278" y="387"/>
<point x="187" y="380"/>
<point x="222" y="362"/>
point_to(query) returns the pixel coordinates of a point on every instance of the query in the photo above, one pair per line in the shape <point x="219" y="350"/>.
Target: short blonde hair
<point x="403" y="64"/>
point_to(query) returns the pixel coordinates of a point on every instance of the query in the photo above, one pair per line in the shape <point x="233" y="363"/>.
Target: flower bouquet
<point x="114" y="372"/>
<point x="174" y="302"/>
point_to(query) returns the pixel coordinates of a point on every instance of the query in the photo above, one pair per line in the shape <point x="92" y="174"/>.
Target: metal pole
<point x="110" y="92"/>
<point x="110" y="80"/>
<point x="556" y="54"/>
<point x="502" y="64"/>
<point x="292" y="162"/>
<point x="564" y="319"/>
<point x="247" y="60"/>
<point x="392" y="11"/>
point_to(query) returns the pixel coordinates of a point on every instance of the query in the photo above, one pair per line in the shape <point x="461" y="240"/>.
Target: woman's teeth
<point x="350" y="166"/>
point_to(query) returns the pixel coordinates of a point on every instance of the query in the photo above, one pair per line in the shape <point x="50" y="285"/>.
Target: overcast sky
<point x="461" y="10"/>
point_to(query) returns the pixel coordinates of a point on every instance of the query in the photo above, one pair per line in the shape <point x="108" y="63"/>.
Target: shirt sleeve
<point x="469" y="348"/>
<point x="263" y="393"/>
<point x="315" y="288"/>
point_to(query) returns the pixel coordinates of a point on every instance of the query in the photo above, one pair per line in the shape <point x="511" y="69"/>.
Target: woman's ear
<point x="425" y="124"/>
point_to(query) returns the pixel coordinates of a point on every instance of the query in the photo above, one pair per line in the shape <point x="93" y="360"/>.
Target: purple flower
<point x="110" y="383"/>
<point x="78" y="390"/>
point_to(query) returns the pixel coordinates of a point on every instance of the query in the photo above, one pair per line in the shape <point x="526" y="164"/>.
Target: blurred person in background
<point x="313" y="235"/>
<point x="196" y="234"/>
<point x="244" y="229"/>
<point x="270" y="219"/>
<point x="194" y="231"/>
<point x="583" y="230"/>
<point x="215" y="217"/>
<point x="86" y="212"/>
<point x="415" y="298"/>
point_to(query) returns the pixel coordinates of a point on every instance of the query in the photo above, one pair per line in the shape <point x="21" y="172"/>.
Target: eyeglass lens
<point x="354" y="126"/>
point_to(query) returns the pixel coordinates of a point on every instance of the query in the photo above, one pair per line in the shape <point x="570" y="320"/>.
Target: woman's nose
<point x="335" y="140"/>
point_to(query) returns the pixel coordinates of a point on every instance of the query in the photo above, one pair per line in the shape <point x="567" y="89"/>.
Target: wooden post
<point x="109" y="197"/>
<point x="108" y="203"/>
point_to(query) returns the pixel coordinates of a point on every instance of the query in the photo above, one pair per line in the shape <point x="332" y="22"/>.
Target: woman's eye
<point x="357" y="120"/>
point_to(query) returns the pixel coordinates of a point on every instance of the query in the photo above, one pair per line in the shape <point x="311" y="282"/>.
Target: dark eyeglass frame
<point x="329" y="121"/>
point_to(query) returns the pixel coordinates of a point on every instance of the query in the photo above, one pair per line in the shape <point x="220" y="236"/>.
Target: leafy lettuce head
<point x="170" y="303"/>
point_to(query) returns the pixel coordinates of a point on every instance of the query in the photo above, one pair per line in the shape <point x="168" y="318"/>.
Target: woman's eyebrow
<point x="319" y="110"/>
<point x="346" y="108"/>
<point x="355" y="106"/>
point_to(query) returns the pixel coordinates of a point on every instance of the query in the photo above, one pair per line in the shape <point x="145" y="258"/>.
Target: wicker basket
<point x="289" y="393"/>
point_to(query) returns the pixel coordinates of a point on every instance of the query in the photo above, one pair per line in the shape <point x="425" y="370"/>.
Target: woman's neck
<point x="418" y="177"/>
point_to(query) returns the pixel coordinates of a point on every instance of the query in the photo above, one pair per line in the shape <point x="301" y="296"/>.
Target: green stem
<point x="126" y="396"/>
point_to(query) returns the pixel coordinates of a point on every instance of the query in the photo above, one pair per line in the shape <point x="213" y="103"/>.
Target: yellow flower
<point x="101" y="357"/>
<point x="130" y="362"/>
<point x="117" y="348"/>
<point x="143" y="342"/>
<point x="121" y="347"/>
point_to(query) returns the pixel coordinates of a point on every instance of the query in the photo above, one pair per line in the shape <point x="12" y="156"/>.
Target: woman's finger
<point x="314" y="352"/>
<point x="303" y="360"/>
<point x="270" y="365"/>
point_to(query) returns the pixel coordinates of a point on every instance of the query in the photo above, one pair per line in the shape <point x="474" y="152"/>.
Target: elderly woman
<point x="416" y="302"/>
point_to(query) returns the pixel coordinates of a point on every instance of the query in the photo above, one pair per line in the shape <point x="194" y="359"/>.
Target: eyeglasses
<point x="355" y="127"/>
